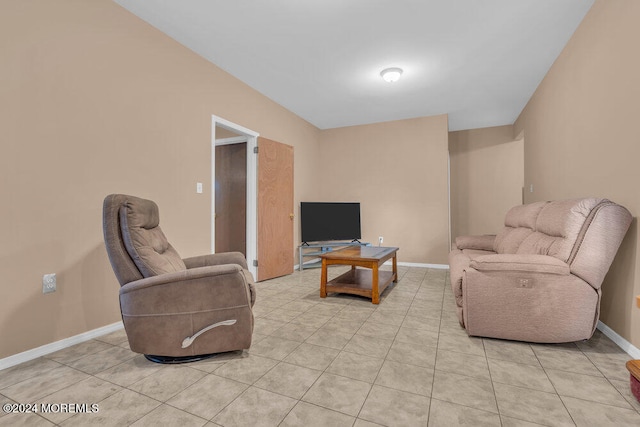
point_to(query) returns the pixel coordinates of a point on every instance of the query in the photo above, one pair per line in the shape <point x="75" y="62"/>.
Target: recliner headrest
<point x="142" y="213"/>
<point x="144" y="240"/>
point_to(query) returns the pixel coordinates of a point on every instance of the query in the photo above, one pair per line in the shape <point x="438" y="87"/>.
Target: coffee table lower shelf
<point x="359" y="282"/>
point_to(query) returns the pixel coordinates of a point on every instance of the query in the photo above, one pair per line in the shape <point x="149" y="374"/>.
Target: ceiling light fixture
<point x="391" y="74"/>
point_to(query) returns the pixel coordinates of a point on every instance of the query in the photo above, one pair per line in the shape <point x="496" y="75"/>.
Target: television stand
<point x="308" y="250"/>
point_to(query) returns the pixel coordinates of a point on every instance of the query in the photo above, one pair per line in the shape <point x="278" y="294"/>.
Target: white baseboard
<point x="629" y="348"/>
<point x="34" y="353"/>
<point x="422" y="265"/>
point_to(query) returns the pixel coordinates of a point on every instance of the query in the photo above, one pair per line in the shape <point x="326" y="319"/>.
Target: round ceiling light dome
<point x="391" y="74"/>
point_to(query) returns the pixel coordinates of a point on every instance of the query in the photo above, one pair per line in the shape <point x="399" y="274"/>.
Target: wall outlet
<point x="199" y="187"/>
<point x="380" y="240"/>
<point x="49" y="283"/>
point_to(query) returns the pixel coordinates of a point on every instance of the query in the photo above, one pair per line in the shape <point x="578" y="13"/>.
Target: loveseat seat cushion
<point x="475" y="253"/>
<point x="557" y="228"/>
<point x="144" y="240"/>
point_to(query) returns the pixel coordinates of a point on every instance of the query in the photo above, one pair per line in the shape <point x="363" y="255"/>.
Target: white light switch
<point x="198" y="187"/>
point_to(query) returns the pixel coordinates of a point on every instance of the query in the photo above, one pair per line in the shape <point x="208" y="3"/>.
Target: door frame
<point x="251" y="139"/>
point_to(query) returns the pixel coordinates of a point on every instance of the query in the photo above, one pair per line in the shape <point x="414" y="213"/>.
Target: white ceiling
<point x="477" y="60"/>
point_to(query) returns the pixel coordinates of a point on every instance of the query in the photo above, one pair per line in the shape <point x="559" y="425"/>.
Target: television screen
<point x="324" y="221"/>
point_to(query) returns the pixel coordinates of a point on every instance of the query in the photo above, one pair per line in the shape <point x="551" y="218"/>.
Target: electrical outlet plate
<point x="380" y="239"/>
<point x="48" y="283"/>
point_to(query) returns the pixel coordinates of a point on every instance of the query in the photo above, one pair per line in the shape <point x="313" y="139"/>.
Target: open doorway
<point x="233" y="198"/>
<point x="230" y="184"/>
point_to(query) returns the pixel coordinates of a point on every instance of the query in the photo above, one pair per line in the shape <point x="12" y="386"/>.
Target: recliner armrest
<point x="216" y="259"/>
<point x="179" y="276"/>
<point x="201" y="288"/>
<point x="224" y="258"/>
<point x="522" y="263"/>
<point x="484" y="242"/>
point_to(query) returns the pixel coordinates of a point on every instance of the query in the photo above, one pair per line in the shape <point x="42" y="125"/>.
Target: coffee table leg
<point x="395" y="268"/>
<point x="323" y="280"/>
<point x="375" y="297"/>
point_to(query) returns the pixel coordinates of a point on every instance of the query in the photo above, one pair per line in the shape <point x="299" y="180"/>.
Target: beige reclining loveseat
<point x="539" y="279"/>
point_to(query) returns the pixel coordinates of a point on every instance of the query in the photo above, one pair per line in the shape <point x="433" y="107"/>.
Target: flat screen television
<point x="326" y="221"/>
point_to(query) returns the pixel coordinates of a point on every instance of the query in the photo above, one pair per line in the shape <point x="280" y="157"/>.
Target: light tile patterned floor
<point x="339" y="361"/>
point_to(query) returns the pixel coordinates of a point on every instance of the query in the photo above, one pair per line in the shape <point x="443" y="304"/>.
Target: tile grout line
<point x="383" y="359"/>
<point x="435" y="362"/>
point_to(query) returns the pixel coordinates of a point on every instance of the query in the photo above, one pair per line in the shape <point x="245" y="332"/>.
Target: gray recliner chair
<point x="174" y="310"/>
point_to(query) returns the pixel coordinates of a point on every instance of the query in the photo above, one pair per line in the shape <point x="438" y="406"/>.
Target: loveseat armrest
<point x="521" y="263"/>
<point x="216" y="259"/>
<point x="484" y="242"/>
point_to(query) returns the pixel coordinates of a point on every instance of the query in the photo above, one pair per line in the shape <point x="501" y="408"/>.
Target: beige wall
<point x="487" y="175"/>
<point x="222" y="133"/>
<point x="398" y="172"/>
<point x="581" y="135"/>
<point x="95" y="101"/>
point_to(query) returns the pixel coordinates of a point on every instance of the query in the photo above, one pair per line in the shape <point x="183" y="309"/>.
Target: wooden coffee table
<point x="369" y="282"/>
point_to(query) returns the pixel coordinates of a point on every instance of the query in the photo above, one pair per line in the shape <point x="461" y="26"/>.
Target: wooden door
<point x="275" y="209"/>
<point x="231" y="198"/>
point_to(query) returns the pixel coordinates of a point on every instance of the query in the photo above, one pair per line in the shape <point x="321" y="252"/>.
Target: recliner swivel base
<point x="179" y="359"/>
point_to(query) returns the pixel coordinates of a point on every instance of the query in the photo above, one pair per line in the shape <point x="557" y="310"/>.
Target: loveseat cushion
<point x="519" y="223"/>
<point x="557" y="228"/>
<point x="144" y="240"/>
<point x="475" y="253"/>
<point x="509" y="239"/>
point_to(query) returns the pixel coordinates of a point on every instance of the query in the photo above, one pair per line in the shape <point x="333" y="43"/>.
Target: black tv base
<point x="319" y="248"/>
